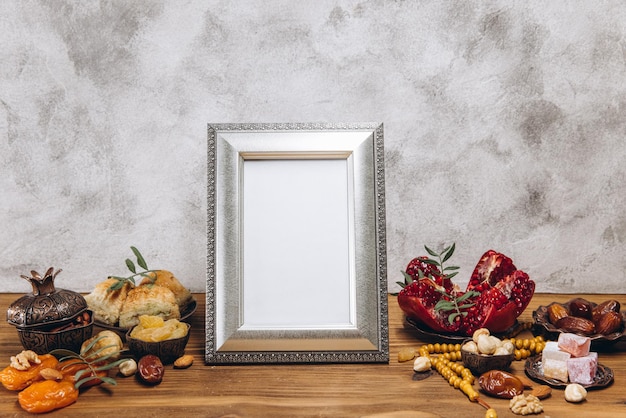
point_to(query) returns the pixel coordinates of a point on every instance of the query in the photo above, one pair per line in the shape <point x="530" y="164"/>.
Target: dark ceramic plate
<point x="186" y="313"/>
<point x="542" y="318"/>
<point x="603" y="378"/>
<point x="428" y="333"/>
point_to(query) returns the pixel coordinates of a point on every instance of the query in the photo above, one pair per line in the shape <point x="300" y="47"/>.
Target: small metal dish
<point x="481" y="363"/>
<point x="541" y="318"/>
<point x="69" y="335"/>
<point x="166" y="350"/>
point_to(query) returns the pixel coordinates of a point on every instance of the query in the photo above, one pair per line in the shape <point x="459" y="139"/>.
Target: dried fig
<point x="576" y="325"/>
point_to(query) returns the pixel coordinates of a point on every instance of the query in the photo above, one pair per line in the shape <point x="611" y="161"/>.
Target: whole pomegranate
<point x="497" y="293"/>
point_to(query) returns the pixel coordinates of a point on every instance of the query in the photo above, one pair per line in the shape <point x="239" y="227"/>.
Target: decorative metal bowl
<point x="166" y="350"/>
<point x="481" y="363"/>
<point x="69" y="335"/>
<point x="50" y="318"/>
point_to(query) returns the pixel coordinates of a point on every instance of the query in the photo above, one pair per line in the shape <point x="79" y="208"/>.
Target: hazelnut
<point x="478" y="333"/>
<point x="421" y="364"/>
<point x="487" y="344"/>
<point x="575" y="393"/>
<point x="128" y="367"/>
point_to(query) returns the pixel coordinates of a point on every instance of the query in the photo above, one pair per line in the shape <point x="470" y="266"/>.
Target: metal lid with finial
<point x="46" y="305"/>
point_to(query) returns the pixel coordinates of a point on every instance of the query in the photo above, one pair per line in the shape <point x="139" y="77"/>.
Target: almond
<point x="51" y="374"/>
<point x="184" y="361"/>
<point x="525" y="381"/>
<point x="541" y="391"/>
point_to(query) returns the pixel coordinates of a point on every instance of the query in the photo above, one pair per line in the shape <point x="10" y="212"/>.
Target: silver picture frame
<point x="296" y="257"/>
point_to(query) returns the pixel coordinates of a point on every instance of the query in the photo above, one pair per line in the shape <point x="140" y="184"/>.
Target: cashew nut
<point x="470" y="347"/>
<point x="575" y="393"/>
<point x="23" y="360"/>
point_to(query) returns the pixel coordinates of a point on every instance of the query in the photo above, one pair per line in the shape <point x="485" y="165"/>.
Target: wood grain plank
<point x="321" y="390"/>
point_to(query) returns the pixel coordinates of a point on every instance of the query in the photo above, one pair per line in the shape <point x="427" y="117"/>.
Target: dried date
<point x="500" y="384"/>
<point x="576" y="325"/>
<point x="580" y="308"/>
<point x="608" y="323"/>
<point x="556" y="311"/>
<point x="610" y="305"/>
<point x="150" y="369"/>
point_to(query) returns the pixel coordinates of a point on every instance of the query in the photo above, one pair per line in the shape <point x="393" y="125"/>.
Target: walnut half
<point x="525" y="405"/>
<point x="23" y="360"/>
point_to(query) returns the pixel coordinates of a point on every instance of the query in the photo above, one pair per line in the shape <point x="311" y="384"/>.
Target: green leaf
<point x="89" y="378"/>
<point x="111" y="365"/>
<point x="91" y="344"/>
<point x="407" y="278"/>
<point x="433" y="262"/>
<point x="448" y="254"/>
<point x="466" y="306"/>
<point x="62" y="353"/>
<point x="449" y="276"/>
<point x="131" y="265"/>
<point x="117" y="286"/>
<point x="451" y="268"/>
<point x="444" y="305"/>
<point x="140" y="259"/>
<point x="463" y="297"/>
<point x="431" y="252"/>
<point x="452" y="316"/>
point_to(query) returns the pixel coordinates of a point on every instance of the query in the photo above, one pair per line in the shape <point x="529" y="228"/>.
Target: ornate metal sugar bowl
<point x="50" y="318"/>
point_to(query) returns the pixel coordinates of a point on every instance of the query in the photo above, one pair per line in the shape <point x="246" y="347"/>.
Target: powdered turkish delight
<point x="551" y="346"/>
<point x="554" y="364"/>
<point x="576" y="345"/>
<point x="583" y="369"/>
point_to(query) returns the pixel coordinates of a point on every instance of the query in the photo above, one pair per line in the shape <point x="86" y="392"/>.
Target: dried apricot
<point x="70" y="367"/>
<point x="406" y="354"/>
<point x="14" y="379"/>
<point x="47" y="395"/>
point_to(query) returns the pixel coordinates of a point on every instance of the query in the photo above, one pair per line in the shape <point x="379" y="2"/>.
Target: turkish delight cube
<point x="576" y="345"/>
<point x="583" y="369"/>
<point x="554" y="364"/>
<point x="551" y="346"/>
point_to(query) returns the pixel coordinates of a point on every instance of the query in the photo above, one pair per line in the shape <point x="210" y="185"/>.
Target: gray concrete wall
<point x="504" y="126"/>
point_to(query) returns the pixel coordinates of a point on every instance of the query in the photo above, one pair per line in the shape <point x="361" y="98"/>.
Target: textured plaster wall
<point x="504" y="126"/>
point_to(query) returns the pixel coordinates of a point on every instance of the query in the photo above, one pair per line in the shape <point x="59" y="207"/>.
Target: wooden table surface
<point x="326" y="390"/>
